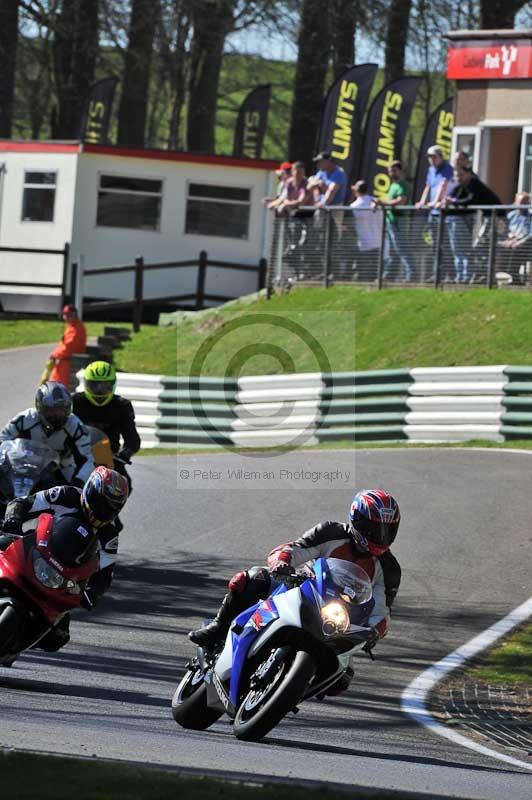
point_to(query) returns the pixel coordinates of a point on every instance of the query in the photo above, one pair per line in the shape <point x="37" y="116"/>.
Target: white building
<point x="112" y="204"/>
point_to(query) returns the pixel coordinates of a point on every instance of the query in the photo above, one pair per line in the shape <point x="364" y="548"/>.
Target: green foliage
<point x="509" y="662"/>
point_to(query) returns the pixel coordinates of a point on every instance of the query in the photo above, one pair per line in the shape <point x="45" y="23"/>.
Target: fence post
<point x="380" y="267"/>
<point x="437" y="252"/>
<point x="73" y="282"/>
<point x="139" y="280"/>
<point x="263" y="269"/>
<point x="77" y="283"/>
<point x="200" y="288"/>
<point x="66" y="261"/>
<point x="328" y="252"/>
<point x="492" y="249"/>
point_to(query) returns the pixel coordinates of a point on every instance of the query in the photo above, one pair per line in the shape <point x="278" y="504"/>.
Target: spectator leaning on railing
<point x="468" y="191"/>
<point x="368" y="221"/>
<point x="294" y="193"/>
<point x="333" y="178"/>
<point x="283" y="173"/>
<point x="516" y="255"/>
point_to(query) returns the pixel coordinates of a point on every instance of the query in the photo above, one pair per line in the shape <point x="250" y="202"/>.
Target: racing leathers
<point x="327" y="540"/>
<point x="116" y="419"/>
<point x="71" y="443"/>
<point x="21" y="517"/>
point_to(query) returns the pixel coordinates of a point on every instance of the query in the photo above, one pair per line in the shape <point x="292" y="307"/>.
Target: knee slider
<point x="238" y="582"/>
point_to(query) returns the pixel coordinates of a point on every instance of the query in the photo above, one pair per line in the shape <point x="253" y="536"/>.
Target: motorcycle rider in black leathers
<point x="372" y="527"/>
<point x="96" y="505"/>
<point x="99" y="406"/>
<point x="52" y="423"/>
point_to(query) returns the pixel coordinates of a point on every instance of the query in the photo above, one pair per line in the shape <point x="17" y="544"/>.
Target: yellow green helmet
<point x="100" y="382"/>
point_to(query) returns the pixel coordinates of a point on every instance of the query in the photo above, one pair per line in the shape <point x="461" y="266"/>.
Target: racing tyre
<point x="264" y="707"/>
<point x="9" y="623"/>
<point x="189" y="703"/>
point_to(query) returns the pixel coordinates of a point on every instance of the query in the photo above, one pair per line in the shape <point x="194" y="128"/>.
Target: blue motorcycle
<point x="288" y="648"/>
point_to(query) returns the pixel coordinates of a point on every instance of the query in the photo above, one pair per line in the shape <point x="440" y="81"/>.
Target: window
<point x="218" y="211"/>
<point x="126" y="202"/>
<point x="39" y="196"/>
<point x="525" y="182"/>
<point x="466" y="139"/>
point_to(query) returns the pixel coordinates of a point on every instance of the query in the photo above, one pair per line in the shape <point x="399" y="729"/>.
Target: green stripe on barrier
<point x="398" y="389"/>
<point x="518" y="372"/>
<point x="194" y="394"/>
<point x="199" y="382"/>
<point x="205" y="423"/>
<point x="518" y="386"/>
<point x="173" y="410"/>
<point x="517" y="418"/>
<point x="511" y="402"/>
<point x="515" y="432"/>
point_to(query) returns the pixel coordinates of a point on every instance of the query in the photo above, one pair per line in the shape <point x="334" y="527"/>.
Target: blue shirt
<point x="435" y="176"/>
<point x="336" y="176"/>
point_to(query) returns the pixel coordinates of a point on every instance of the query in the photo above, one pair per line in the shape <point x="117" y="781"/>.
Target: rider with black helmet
<point x="96" y="506"/>
<point x="51" y="422"/>
<point x="372" y="526"/>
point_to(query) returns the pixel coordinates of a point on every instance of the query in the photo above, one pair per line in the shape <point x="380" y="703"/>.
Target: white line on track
<point x="415" y="695"/>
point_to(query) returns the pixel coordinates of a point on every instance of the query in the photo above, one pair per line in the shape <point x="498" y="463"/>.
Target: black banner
<point x="439" y="131"/>
<point x="385" y="132"/>
<point x="341" y="119"/>
<point x="94" y="126"/>
<point x="251" y="123"/>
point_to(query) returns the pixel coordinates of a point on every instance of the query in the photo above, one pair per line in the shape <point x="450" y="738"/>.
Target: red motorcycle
<point x="42" y="577"/>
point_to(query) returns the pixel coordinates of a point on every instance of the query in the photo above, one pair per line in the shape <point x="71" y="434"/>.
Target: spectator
<point x="283" y="173"/>
<point x="368" y="223"/>
<point x="295" y="189"/>
<point x="439" y="174"/>
<point x="396" y="240"/>
<point x="461" y="159"/>
<point x="333" y="178"/>
<point x="518" y="242"/>
<point x="468" y="191"/>
<point x="74" y="341"/>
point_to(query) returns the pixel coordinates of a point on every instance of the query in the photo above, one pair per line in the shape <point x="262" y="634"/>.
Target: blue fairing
<point x="267" y="612"/>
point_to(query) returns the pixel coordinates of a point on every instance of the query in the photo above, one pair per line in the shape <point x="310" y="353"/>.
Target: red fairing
<point x="17" y="568"/>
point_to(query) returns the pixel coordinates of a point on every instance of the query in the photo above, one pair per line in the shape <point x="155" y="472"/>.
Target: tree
<point x="134" y="100"/>
<point x="314" y="44"/>
<point x="396" y="38"/>
<point x="8" y="52"/>
<point x="345" y="15"/>
<point x="75" y="50"/>
<point x="212" y="21"/>
<point x="497" y="14"/>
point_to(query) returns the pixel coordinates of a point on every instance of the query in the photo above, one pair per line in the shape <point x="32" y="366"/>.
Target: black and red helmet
<point x="104" y="495"/>
<point x="374" y="519"/>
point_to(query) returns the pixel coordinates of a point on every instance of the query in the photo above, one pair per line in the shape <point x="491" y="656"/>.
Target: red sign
<point x="493" y="60"/>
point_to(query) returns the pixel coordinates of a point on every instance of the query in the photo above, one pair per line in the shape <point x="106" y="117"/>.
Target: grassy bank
<point x="354" y="328"/>
<point x="508" y="663"/>
<point x="28" y="776"/>
<point x="360" y="329"/>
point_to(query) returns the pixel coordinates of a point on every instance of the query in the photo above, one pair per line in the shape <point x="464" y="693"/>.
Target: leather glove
<point x="124" y="456"/>
<point x="281" y="569"/>
<point x="12" y="525"/>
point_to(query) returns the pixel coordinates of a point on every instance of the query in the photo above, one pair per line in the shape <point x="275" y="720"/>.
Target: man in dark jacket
<point x="99" y="406"/>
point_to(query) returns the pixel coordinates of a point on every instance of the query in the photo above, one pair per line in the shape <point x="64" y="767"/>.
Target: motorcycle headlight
<point x="335" y="619"/>
<point x="45" y="573"/>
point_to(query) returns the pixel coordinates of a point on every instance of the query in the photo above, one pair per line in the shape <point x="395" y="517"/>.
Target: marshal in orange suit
<point x="74" y="341"/>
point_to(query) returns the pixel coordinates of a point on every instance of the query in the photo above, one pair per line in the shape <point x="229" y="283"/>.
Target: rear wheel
<point x="268" y="702"/>
<point x="189" y="704"/>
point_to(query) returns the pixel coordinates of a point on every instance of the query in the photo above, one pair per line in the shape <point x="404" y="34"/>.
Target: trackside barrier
<point x="426" y="404"/>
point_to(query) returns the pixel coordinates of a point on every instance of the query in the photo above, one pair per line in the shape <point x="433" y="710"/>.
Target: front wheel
<point x="9" y="629"/>
<point x="263" y="708"/>
<point x="189" y="703"/>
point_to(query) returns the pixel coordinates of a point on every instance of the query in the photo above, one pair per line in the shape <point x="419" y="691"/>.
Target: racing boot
<point x="208" y="635"/>
<point x="342" y="684"/>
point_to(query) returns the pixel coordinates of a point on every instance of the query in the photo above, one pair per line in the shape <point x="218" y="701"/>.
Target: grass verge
<point x="26" y="776"/>
<point x="508" y="663"/>
<point x="28" y="332"/>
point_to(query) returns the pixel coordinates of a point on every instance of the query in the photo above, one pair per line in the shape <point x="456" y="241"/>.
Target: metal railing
<point x="481" y="245"/>
<point x="195" y="300"/>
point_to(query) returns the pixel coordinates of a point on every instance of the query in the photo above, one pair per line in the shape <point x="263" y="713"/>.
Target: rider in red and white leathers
<point x="372" y="527"/>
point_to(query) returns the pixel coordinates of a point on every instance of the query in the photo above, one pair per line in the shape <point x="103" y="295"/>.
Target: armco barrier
<point x="427" y="404"/>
